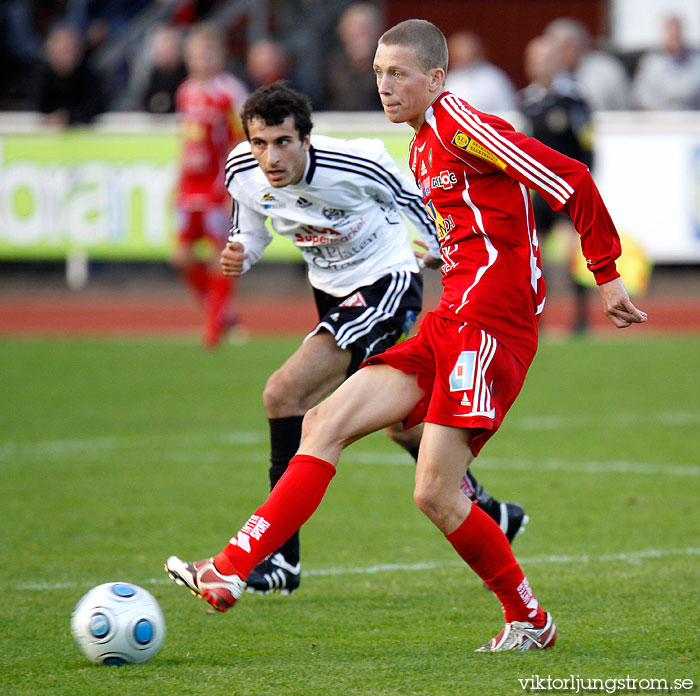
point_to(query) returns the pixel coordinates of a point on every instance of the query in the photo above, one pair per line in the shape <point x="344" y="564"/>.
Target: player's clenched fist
<point x="232" y="258"/>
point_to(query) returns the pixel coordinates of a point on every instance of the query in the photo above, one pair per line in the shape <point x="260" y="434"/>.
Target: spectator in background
<point x="167" y="72"/>
<point x="21" y="46"/>
<point x="558" y="116"/>
<point x="471" y="77"/>
<point x="350" y="81"/>
<point x="99" y="20"/>
<point x="68" y="91"/>
<point x="208" y="102"/>
<point x="266" y="63"/>
<point x="100" y="23"/>
<point x="601" y="77"/>
<point x="670" y="78"/>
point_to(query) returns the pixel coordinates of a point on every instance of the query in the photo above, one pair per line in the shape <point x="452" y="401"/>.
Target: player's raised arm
<point x="565" y="184"/>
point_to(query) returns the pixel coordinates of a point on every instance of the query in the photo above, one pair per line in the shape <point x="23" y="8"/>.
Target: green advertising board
<point x="109" y="195"/>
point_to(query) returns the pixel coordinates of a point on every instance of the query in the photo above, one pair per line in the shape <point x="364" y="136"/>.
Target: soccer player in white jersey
<point x="340" y="202"/>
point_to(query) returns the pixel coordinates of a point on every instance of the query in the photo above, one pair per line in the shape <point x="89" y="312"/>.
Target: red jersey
<point x="474" y="171"/>
<point x="210" y="128"/>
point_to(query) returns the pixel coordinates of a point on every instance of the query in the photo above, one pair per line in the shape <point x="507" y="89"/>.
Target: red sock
<point x="216" y="320"/>
<point x="197" y="277"/>
<point x="290" y="503"/>
<point x="485" y="548"/>
<point x="218" y="291"/>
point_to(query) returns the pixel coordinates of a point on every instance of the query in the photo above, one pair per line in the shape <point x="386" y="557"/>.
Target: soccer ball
<point x="118" y="622"/>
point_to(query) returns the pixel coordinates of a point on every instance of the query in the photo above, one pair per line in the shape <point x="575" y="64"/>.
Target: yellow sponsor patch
<point x="468" y="144"/>
<point x="442" y="227"/>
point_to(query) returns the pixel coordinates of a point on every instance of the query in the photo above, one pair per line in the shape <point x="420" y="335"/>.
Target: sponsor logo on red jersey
<point x="443" y="226"/>
<point x="468" y="144"/>
<point x="445" y="180"/>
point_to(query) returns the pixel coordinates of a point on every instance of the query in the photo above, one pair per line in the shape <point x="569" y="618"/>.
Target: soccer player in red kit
<point x="463" y="369"/>
<point x="208" y="102"/>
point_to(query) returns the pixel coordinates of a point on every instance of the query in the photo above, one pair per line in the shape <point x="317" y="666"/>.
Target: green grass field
<point x="116" y="454"/>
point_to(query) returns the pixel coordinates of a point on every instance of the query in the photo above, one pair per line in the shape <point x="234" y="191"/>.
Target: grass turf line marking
<point x="504" y="464"/>
<point x="48" y="448"/>
<point x="58" y="447"/>
<point x="100" y="447"/>
<point x="183" y="454"/>
<point x="630" y="557"/>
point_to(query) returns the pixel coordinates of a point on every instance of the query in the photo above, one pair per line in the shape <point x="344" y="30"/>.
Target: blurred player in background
<point x="559" y="117"/>
<point x="340" y="202"/>
<point x="208" y="102"/>
<point x="461" y="372"/>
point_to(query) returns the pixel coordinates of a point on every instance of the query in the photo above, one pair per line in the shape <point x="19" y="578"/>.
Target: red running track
<point x="90" y="315"/>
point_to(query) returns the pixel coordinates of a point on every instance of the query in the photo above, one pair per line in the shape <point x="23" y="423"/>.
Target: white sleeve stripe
<point x="516" y="162"/>
<point x="232" y="169"/>
<point x="535" y="164"/>
<point x="513" y="155"/>
<point x="234" y="215"/>
<point x="487" y="130"/>
<point x="527" y="161"/>
<point x="242" y="156"/>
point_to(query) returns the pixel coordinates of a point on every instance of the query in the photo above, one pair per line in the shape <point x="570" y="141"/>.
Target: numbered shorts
<point x="469" y="379"/>
<point x="212" y="224"/>
<point x="373" y="317"/>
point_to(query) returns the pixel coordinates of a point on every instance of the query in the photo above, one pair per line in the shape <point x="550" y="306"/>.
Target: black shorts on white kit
<point x="373" y="317"/>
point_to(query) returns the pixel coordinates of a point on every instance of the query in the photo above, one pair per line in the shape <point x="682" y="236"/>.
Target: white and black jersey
<point x="344" y="214"/>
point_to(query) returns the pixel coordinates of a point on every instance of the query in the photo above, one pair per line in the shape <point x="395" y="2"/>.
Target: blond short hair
<point x="426" y="40"/>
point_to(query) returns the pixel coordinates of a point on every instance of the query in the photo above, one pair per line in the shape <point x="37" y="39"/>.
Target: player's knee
<point x="278" y="397"/>
<point x="321" y="429"/>
<point x="316" y="420"/>
<point x="430" y="503"/>
<point x="423" y="498"/>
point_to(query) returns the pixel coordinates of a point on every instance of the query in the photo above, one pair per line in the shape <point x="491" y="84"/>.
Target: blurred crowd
<point x="52" y="59"/>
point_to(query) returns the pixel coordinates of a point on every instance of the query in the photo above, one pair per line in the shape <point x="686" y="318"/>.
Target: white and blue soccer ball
<point x="118" y="622"/>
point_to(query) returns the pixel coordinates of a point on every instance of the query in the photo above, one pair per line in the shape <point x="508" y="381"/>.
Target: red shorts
<point x="469" y="380"/>
<point x="212" y="224"/>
